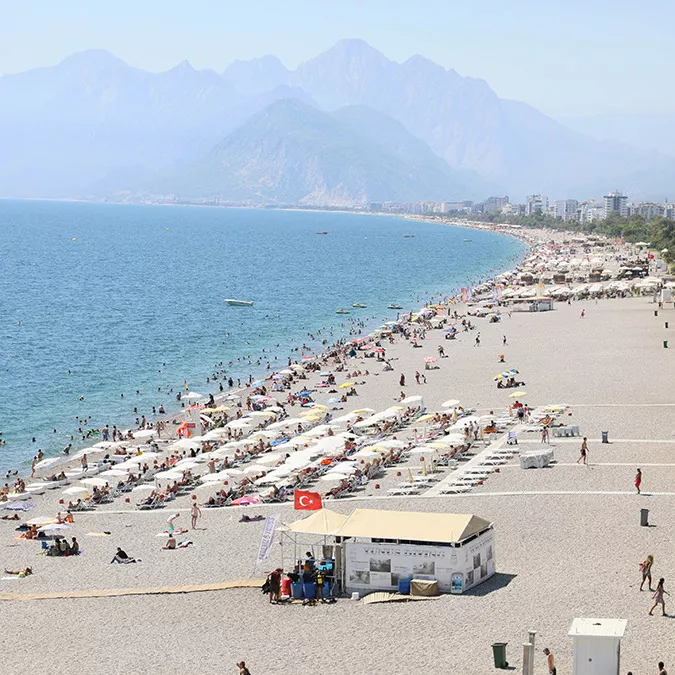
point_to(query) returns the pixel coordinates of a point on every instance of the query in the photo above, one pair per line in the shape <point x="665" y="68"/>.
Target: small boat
<point x="342" y="311"/>
<point x="394" y="307"/>
<point x="408" y="236"/>
<point x="238" y="303"/>
<point x="468" y="240"/>
<point x="322" y="232"/>
<point x="360" y="305"/>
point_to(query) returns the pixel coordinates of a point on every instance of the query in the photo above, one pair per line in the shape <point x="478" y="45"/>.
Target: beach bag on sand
<point x="266" y="587"/>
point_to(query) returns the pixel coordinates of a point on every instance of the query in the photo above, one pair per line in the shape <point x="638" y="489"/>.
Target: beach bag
<point x="266" y="587"/>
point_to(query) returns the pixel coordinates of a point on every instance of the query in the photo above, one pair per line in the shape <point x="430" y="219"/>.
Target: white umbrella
<point x="76" y="491"/>
<point x="192" y="396"/>
<point x="143" y="488"/>
<point x="144" y="433"/>
<point x="254" y="469"/>
<point x="187" y="444"/>
<point x="47" y="462"/>
<point x="54" y="527"/>
<point x="450" y="403"/>
<point x="96" y="481"/>
<point x="270" y="460"/>
<point x="113" y="473"/>
<point x="333" y="476"/>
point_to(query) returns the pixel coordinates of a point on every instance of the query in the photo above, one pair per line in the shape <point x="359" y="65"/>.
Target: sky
<point x="566" y="58"/>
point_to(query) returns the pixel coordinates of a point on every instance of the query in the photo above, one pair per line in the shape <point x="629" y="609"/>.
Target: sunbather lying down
<point x="251" y="519"/>
<point x="20" y="573"/>
<point x="171" y="544"/>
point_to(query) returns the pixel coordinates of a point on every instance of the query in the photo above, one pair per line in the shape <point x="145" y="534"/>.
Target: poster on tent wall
<point x="380" y="566"/>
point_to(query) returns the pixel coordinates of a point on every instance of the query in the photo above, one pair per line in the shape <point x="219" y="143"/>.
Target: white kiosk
<point x="597" y="645"/>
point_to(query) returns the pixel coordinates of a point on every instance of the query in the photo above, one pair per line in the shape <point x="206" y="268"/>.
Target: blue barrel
<point x="309" y="589"/>
<point x="296" y="590"/>
<point x="404" y="586"/>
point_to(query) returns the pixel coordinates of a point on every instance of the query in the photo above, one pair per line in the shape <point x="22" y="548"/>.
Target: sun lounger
<point x="455" y="489"/>
<point x="400" y="491"/>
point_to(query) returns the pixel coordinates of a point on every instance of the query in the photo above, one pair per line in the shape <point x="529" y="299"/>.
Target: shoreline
<point x="354" y="321"/>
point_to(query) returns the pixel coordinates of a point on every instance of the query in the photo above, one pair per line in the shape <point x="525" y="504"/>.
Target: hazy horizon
<point x="573" y="59"/>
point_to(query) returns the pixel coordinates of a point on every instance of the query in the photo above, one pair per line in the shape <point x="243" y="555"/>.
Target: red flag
<point x="307" y="501"/>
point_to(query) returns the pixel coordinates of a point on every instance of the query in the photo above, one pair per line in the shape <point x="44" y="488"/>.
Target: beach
<point x="568" y="537"/>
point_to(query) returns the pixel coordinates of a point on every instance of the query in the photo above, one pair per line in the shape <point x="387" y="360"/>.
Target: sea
<point x="107" y="310"/>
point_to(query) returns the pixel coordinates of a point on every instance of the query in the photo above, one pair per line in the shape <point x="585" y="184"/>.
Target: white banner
<point x="267" y="538"/>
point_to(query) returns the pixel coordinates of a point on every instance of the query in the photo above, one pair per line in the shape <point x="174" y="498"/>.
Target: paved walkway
<point x="118" y="592"/>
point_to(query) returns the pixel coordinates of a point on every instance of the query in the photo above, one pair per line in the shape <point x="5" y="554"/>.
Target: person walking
<point x="646" y="569"/>
<point x="658" y="597"/>
<point x="195" y="512"/>
<point x="583" y="453"/>
<point x="544" y="434"/>
<point x="550" y="662"/>
<point x="638" y="480"/>
<point x="662" y="668"/>
<point x="504" y="340"/>
<point x="402" y="380"/>
<point x="477" y="343"/>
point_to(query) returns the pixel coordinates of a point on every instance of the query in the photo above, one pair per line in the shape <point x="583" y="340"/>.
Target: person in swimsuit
<point x="550" y="662"/>
<point x="583" y="452"/>
<point x="638" y="480"/>
<point x="646" y="569"/>
<point x="658" y="597"/>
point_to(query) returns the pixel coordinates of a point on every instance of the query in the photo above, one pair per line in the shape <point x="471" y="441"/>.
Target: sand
<point x="568" y="537"/>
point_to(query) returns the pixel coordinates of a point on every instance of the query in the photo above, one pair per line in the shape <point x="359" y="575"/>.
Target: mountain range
<point x="346" y="127"/>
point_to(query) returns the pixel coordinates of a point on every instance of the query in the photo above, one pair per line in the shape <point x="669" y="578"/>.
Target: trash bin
<point x="296" y="590"/>
<point x="656" y="312"/>
<point x="665" y="344"/>
<point x="644" y="517"/>
<point x="404" y="586"/>
<point x="309" y="590"/>
<point x="499" y="654"/>
<point x="665" y="323"/>
<point x="605" y="436"/>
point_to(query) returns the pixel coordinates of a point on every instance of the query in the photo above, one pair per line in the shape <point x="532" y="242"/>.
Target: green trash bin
<point x="499" y="653"/>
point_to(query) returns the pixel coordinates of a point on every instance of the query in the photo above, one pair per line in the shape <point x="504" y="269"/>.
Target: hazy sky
<point x="571" y="57"/>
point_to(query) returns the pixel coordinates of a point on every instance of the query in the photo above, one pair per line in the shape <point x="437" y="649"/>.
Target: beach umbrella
<point x="303" y="394"/>
<point x="144" y="433"/>
<point x="192" y="396"/>
<point x="143" y="488"/>
<point x="518" y="394"/>
<point x="362" y="411"/>
<point x="47" y="462"/>
<point x="258" y="383"/>
<point x="245" y="501"/>
<point x="333" y="400"/>
<point x="54" y="527"/>
<point x="286" y="371"/>
<point x="42" y="520"/>
<point x="114" y="473"/>
<point x="429" y="359"/>
<point x="333" y="476"/>
<point x="95" y="481"/>
<point x="76" y="490"/>
<point x="425" y="418"/>
<point x="345" y="385"/>
<point x="309" y="357"/>
<point x="187" y="443"/>
<point x="450" y="403"/>
<point x="18" y="506"/>
<point x="232" y="397"/>
<point x="254" y="469"/>
<point x="326" y="374"/>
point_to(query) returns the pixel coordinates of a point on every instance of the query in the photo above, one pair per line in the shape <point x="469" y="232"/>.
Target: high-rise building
<point x="495" y="204"/>
<point x="565" y="209"/>
<point x="536" y="204"/>
<point x="615" y="201"/>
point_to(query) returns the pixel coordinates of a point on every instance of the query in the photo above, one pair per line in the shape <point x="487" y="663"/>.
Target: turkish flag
<point x="307" y="501"/>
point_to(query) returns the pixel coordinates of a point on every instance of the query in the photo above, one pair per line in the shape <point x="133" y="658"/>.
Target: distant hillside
<point x="292" y="153"/>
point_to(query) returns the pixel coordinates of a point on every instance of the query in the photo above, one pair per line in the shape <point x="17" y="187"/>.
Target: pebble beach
<point x="568" y="537"/>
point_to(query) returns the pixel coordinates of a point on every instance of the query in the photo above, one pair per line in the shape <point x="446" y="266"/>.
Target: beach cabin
<point x="391" y="550"/>
<point x="542" y="304"/>
<point x="597" y="645"/>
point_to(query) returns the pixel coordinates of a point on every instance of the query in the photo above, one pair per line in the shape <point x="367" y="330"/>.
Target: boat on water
<point x="394" y="307"/>
<point x="342" y="311"/>
<point x="408" y="236"/>
<point x="359" y="305"/>
<point x="238" y="303"/>
<point x="468" y="240"/>
<point x="322" y="232"/>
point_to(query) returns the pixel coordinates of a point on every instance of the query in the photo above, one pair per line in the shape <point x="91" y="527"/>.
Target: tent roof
<point x="323" y="521"/>
<point x="407" y="525"/>
<point x="414" y="526"/>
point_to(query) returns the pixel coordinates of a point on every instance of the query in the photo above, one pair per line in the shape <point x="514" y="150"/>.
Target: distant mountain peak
<point x="94" y="58"/>
<point x="353" y="49"/>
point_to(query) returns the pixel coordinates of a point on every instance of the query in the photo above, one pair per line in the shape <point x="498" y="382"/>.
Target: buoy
<point x="74" y="239"/>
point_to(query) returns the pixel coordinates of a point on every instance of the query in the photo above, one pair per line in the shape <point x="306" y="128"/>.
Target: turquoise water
<point x="130" y="298"/>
